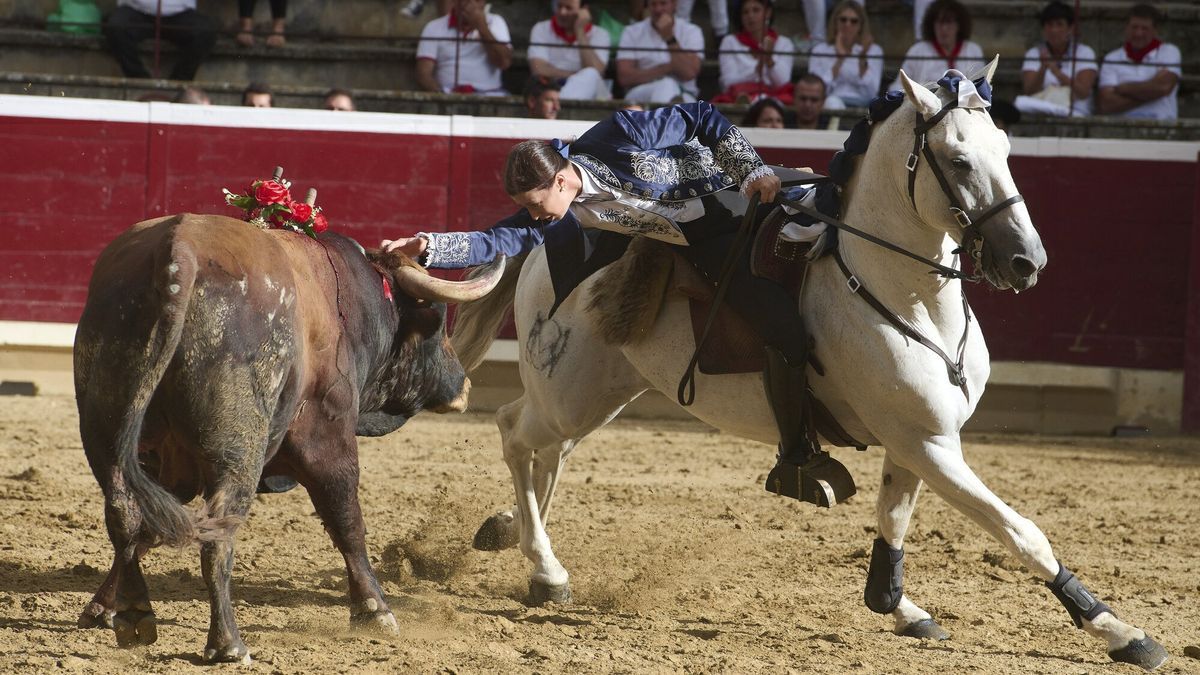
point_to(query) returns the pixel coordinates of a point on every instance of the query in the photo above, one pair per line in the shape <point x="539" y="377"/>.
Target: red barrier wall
<point x="1118" y="232"/>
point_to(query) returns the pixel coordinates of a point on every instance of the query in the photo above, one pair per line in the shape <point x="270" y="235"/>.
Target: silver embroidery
<point x="628" y="221"/>
<point x="448" y="249"/>
<point x="598" y="169"/>
<point x="736" y="157"/>
<point x="656" y="166"/>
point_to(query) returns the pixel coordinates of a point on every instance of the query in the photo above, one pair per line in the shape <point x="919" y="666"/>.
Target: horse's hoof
<point x="232" y="654"/>
<point x="95" y="615"/>
<point x="540" y="594"/>
<point x="1146" y="653"/>
<point x="135" y="627"/>
<point x="499" y="532"/>
<point x="925" y="628"/>
<point x="376" y="622"/>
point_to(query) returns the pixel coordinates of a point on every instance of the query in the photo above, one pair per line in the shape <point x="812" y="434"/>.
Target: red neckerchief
<point x="1136" y="55"/>
<point x="755" y="46"/>
<point x="454" y="23"/>
<point x="566" y="37"/>
<point x="950" y="58"/>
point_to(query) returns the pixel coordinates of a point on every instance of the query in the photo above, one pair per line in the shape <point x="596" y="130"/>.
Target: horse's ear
<point x="925" y="101"/>
<point x="986" y="71"/>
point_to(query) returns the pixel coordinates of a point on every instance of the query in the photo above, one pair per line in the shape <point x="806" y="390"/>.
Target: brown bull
<point x="212" y="354"/>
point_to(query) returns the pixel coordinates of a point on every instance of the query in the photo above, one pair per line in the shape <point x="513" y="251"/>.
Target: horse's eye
<point x="961" y="163"/>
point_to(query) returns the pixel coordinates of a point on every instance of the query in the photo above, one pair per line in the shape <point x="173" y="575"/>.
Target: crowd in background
<point x="656" y="59"/>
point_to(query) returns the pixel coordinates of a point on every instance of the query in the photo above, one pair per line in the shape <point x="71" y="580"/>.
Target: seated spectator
<point x="757" y="61"/>
<point x="1058" y="75"/>
<point x="569" y="48"/>
<point x="542" y="98"/>
<point x="339" y="99"/>
<point x="814" y="17"/>
<point x="1141" y="78"/>
<point x="245" y="36"/>
<point x="257" y="95"/>
<point x="766" y="113"/>
<point x="849" y="62"/>
<point x="659" y="57"/>
<point x="808" y="102"/>
<point x="132" y="22"/>
<point x="192" y="95"/>
<point x="718" y="13"/>
<point x="464" y="52"/>
<point x="945" y="43"/>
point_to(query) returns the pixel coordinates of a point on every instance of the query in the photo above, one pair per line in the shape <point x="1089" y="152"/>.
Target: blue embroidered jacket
<point x="676" y="153"/>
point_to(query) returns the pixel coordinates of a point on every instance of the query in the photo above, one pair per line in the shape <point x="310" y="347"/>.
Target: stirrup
<point x="822" y="481"/>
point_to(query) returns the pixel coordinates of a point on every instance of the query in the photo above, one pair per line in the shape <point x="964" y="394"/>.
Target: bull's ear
<point x="925" y="101"/>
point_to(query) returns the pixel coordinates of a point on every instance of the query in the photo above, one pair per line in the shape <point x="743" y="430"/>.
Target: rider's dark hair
<point x="531" y="165"/>
<point x="955" y="9"/>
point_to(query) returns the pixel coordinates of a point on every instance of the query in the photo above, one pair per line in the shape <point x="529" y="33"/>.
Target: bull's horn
<point x="425" y="287"/>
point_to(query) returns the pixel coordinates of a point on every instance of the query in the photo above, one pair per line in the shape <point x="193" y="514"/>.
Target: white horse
<point x="883" y="387"/>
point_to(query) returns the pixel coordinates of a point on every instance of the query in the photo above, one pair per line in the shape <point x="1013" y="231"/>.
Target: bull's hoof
<point x="1146" y="653"/>
<point x="541" y="594"/>
<point x="925" y="628"/>
<point x="135" y="627"/>
<point x="499" y="532"/>
<point x="235" y="653"/>
<point x="95" y="615"/>
<point x="382" y="621"/>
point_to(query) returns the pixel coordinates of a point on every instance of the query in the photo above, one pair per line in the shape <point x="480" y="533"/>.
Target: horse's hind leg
<point x="884" y="593"/>
<point x="939" y="462"/>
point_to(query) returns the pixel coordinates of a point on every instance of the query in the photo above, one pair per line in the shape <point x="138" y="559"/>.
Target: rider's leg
<point x="803" y="471"/>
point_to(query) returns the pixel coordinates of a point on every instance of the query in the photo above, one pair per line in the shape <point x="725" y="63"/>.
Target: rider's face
<point x="550" y="203"/>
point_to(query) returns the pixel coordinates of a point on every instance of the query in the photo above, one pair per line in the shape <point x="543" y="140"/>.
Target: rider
<point x="656" y="174"/>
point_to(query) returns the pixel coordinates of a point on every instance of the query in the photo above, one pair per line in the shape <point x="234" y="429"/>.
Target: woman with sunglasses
<point x="849" y="61"/>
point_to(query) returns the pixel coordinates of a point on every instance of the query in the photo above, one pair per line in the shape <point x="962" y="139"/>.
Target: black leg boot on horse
<point x="802" y="470"/>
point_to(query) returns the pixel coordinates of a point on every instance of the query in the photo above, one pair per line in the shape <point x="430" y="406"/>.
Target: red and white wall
<point x="1117" y="217"/>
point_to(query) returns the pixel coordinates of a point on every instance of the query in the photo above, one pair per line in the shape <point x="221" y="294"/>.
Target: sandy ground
<point x="679" y="561"/>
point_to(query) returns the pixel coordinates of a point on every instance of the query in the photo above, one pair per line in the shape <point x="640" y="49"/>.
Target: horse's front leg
<point x="502" y="530"/>
<point x="884" y="593"/>
<point x="520" y="436"/>
<point x="939" y="462"/>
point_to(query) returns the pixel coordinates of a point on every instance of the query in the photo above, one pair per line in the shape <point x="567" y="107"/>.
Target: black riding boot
<point x="802" y="470"/>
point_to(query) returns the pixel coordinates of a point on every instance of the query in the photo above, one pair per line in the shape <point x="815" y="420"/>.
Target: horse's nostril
<point x="1023" y="266"/>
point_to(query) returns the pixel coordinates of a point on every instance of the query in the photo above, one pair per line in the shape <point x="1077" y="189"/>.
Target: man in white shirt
<point x="132" y="22"/>
<point x="1058" y="74"/>
<point x="659" y="57"/>
<point x="464" y="52"/>
<point x="1141" y="78"/>
<point x="571" y="49"/>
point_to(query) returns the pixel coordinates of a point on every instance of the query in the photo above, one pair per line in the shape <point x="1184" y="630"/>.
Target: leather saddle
<point x="733" y="346"/>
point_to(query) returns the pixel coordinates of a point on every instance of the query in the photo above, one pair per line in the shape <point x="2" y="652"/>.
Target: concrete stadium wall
<point x="1116" y="217"/>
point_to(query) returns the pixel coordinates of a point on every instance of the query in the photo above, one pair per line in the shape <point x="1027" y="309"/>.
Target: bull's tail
<point x="477" y="322"/>
<point x="163" y="519"/>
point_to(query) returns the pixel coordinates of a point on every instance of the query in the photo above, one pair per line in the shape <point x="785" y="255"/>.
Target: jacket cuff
<point x="736" y="157"/>
<point x="754" y="175"/>
<point x="446" y="250"/>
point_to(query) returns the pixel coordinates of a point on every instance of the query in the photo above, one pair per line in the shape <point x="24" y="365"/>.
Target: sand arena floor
<point x="679" y="560"/>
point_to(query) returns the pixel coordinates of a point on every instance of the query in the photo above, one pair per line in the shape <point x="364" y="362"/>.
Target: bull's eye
<point x="961" y="163"/>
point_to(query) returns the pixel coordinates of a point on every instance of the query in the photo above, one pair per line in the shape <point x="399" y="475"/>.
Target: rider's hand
<point x="410" y="246"/>
<point x="767" y="188"/>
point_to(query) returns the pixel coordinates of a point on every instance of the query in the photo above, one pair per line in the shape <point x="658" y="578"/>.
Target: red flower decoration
<point x="271" y="192"/>
<point x="301" y="212"/>
<point x="319" y="223"/>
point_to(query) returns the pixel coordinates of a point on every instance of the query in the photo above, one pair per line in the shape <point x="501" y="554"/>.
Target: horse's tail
<point x="477" y="322"/>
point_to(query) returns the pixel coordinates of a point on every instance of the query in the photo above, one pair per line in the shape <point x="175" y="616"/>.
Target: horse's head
<point x="961" y="184"/>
